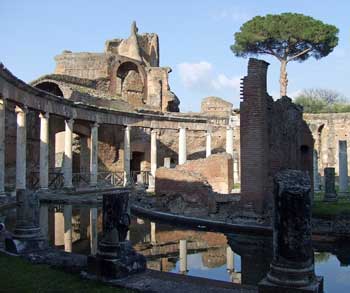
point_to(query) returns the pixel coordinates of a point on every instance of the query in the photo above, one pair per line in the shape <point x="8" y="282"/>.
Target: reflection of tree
<point x="322" y="257"/>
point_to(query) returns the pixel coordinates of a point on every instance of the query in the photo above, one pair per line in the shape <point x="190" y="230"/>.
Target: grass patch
<point x="18" y="275"/>
<point x="322" y="209"/>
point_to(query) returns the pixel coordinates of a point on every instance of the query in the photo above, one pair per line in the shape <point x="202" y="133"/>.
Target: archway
<point x="50" y="87"/>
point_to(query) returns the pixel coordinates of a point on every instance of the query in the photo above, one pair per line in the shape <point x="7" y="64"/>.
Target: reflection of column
<point x="2" y="146"/>
<point x="230" y="259"/>
<point x="182" y="146"/>
<point x="329" y="185"/>
<point x="68" y="154"/>
<point x="93" y="231"/>
<point x="67" y="214"/>
<point x="153" y="233"/>
<point x="183" y="256"/>
<point x="236" y="178"/>
<point x="229" y="140"/>
<point x="44" y="220"/>
<point x="127" y="156"/>
<point x="94" y="155"/>
<point x="44" y="150"/>
<point x="153" y="159"/>
<point x="59" y="229"/>
<point x="21" y="142"/>
<point x="343" y="167"/>
<point x="208" y="144"/>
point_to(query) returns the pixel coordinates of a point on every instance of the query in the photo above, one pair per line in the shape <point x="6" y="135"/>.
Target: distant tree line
<point x="322" y="101"/>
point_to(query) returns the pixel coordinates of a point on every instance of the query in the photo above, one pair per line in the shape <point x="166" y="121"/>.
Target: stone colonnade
<point x="45" y="149"/>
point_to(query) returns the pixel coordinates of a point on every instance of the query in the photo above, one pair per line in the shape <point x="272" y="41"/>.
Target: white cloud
<point x="201" y="76"/>
<point x="224" y="82"/>
<point x="194" y="74"/>
<point x="234" y="14"/>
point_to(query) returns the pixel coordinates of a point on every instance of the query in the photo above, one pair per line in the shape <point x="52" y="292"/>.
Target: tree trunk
<point x="283" y="78"/>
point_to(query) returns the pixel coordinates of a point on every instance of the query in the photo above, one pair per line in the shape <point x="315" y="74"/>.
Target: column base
<point x="265" y="286"/>
<point x="23" y="245"/>
<point x="125" y="263"/>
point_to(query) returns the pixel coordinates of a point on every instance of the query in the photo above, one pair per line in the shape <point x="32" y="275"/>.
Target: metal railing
<point x="108" y="178"/>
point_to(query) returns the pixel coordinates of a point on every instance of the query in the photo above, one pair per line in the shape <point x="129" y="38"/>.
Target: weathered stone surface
<point x="187" y="192"/>
<point x="292" y="268"/>
<point x="216" y="107"/>
<point x="274" y="136"/>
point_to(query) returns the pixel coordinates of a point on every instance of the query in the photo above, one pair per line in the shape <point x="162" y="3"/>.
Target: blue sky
<point x="195" y="37"/>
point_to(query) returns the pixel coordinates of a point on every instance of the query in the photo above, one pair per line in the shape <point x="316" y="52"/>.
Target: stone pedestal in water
<point x="27" y="236"/>
<point x="115" y="256"/>
<point x="329" y="182"/>
<point x="292" y="268"/>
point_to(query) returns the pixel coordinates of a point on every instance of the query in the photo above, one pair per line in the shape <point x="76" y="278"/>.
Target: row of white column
<point x="21" y="140"/>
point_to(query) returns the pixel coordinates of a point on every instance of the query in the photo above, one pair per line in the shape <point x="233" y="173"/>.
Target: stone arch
<point x="50" y="87"/>
<point x="131" y="83"/>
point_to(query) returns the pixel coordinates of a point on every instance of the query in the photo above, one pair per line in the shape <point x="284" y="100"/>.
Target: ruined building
<point x="274" y="137"/>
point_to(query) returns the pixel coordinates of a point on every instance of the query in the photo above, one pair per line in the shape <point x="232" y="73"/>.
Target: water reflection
<point x="234" y="258"/>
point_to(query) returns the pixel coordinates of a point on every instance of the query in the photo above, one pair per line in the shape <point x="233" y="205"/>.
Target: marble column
<point x="44" y="150"/>
<point x="21" y="148"/>
<point x="230" y="262"/>
<point x="167" y="162"/>
<point x="59" y="228"/>
<point x="292" y="268"/>
<point x="44" y="220"/>
<point x="93" y="230"/>
<point x="315" y="172"/>
<point x="153" y="233"/>
<point x="229" y="140"/>
<point x="182" y="146"/>
<point x="236" y="177"/>
<point x="67" y="214"/>
<point x="68" y="154"/>
<point x="152" y="178"/>
<point x="2" y="146"/>
<point x="94" y="155"/>
<point x="329" y="185"/>
<point x="208" y="143"/>
<point x="343" y="168"/>
<point x="183" y="256"/>
<point x="127" y="156"/>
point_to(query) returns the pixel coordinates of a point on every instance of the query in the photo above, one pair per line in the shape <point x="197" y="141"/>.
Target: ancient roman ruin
<point x="106" y="130"/>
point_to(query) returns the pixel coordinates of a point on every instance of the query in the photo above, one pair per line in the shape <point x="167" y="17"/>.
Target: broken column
<point x="127" y="155"/>
<point x="67" y="214"/>
<point x="343" y="168"/>
<point x="315" y="173"/>
<point x="93" y="231"/>
<point x="329" y="185"/>
<point x="153" y="233"/>
<point x="229" y="140"/>
<point x="230" y="263"/>
<point x="115" y="256"/>
<point x="27" y="236"/>
<point x="292" y="268"/>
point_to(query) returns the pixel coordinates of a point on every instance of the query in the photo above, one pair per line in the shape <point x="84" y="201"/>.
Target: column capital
<point x="182" y="127"/>
<point x="156" y="131"/>
<point x="21" y="109"/>
<point x="70" y="121"/>
<point x="95" y="125"/>
<point x="229" y="127"/>
<point x="44" y="115"/>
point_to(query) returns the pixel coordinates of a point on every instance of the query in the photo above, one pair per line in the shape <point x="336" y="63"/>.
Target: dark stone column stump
<point x="115" y="256"/>
<point x="330" y="193"/>
<point x="292" y="268"/>
<point x="27" y="236"/>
